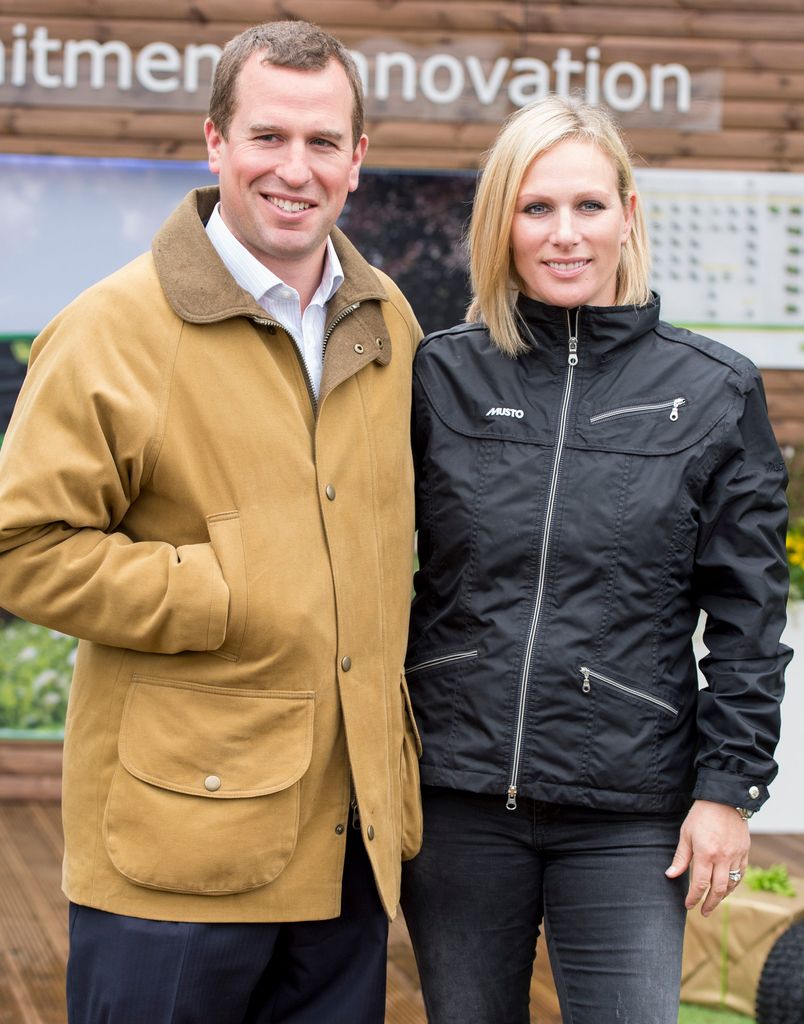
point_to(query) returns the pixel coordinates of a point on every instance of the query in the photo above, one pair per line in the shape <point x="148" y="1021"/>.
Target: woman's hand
<point x="715" y="840"/>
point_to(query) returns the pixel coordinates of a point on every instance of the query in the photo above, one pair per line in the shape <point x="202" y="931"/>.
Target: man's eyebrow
<point x="316" y="133"/>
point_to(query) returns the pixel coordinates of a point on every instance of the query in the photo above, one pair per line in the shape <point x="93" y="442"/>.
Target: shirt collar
<point x="257" y="279"/>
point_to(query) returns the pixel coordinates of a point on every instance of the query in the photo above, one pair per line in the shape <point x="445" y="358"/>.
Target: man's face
<point x="288" y="163"/>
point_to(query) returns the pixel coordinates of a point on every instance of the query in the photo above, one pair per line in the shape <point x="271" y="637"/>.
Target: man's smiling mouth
<point x="288" y="205"/>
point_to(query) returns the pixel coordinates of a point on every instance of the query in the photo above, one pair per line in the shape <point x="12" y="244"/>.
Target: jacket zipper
<point x="444" y="659"/>
<point x="307" y="379"/>
<point x="632" y="410"/>
<point x="588" y="674"/>
<point x="572" y="362"/>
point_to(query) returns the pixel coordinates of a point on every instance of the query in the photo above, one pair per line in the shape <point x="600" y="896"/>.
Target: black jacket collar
<point x="601" y="330"/>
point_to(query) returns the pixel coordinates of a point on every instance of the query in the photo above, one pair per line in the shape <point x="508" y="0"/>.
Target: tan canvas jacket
<point x="237" y="564"/>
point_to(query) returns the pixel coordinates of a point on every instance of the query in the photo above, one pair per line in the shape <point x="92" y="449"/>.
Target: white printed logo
<point x="500" y="411"/>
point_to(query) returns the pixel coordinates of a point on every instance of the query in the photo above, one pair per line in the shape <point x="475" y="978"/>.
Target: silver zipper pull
<point x="511" y="805"/>
<point x="586" y="686"/>
<point x="573" y="352"/>
<point x="676" y="403"/>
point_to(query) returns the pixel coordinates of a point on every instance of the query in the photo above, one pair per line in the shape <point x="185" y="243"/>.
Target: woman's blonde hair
<point x="526" y="135"/>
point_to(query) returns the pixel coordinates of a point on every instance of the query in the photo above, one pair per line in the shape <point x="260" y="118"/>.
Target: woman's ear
<point x="629" y="207"/>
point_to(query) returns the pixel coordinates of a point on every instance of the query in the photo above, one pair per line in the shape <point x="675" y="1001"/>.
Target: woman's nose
<point x="564" y="229"/>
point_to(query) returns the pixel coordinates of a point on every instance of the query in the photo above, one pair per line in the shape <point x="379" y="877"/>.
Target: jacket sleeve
<point x="81" y="443"/>
<point x="741" y="582"/>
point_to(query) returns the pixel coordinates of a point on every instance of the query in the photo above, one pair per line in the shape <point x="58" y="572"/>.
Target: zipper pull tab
<point x="586" y="686"/>
<point x="511" y="805"/>
<point x="573" y="351"/>
<point x="677" y="402"/>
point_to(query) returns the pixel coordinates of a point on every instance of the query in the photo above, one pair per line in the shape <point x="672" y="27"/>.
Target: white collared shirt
<point x="278" y="299"/>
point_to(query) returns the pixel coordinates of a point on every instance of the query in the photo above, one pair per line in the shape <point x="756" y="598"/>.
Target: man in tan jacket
<point x="208" y="480"/>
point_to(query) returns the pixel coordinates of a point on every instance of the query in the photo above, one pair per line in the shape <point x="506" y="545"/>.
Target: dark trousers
<point x="475" y="897"/>
<point x="128" y="970"/>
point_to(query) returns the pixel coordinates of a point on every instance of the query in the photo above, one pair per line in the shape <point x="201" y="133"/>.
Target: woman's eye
<point x="535" y="208"/>
<point x="590" y="205"/>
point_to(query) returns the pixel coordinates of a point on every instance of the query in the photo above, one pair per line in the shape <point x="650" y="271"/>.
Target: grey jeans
<point x="475" y="897"/>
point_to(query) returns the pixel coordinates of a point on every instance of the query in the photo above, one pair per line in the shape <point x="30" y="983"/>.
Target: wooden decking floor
<point x="33" y="923"/>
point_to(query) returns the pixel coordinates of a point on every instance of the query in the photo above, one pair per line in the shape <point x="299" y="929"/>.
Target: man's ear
<point x="214" y="142"/>
<point x="357" y="159"/>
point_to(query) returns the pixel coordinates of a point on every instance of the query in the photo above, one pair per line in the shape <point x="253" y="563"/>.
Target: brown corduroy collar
<point x="201" y="290"/>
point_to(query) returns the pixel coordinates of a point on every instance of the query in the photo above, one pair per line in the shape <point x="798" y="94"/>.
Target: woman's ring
<point x="735" y="876"/>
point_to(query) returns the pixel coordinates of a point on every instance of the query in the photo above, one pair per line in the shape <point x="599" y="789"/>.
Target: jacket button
<point x="370" y="831"/>
<point x="330" y="492"/>
<point x="339" y="830"/>
<point x="753" y="792"/>
<point x="212" y="783"/>
<point x="346" y="663"/>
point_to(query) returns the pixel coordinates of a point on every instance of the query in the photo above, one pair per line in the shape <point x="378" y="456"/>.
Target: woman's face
<point x="569" y="226"/>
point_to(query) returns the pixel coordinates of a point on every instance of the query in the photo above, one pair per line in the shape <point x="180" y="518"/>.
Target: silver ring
<point x="735" y="876"/>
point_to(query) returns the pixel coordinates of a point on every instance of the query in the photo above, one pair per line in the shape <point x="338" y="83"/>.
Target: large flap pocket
<point x="205" y="798"/>
<point x="177" y="735"/>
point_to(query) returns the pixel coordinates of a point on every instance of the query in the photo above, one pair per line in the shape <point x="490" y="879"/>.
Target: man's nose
<point x="294" y="168"/>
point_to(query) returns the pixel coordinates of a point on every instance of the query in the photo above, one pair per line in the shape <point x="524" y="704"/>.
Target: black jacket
<point x="576" y="507"/>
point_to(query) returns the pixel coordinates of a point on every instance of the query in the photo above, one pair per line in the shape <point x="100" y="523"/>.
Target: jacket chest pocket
<point x="205" y="798"/>
<point x="668" y="407"/>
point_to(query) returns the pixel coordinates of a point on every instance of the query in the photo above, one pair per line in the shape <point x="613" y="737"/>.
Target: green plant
<point x="772" y="879"/>
<point x="21" y="350"/>
<point x="795" y="558"/>
<point x="35" y="672"/>
<point x="688" y="1014"/>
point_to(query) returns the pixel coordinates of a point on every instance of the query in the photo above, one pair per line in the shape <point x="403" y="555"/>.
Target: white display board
<point x="728" y="257"/>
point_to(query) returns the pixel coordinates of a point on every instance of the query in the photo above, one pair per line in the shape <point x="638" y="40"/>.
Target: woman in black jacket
<point x="589" y="480"/>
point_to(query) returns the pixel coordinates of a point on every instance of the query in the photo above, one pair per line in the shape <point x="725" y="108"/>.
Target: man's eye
<point x="326" y="143"/>
<point x="267" y="138"/>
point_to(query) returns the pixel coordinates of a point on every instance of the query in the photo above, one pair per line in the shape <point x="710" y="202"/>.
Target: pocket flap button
<point x="212" y="783"/>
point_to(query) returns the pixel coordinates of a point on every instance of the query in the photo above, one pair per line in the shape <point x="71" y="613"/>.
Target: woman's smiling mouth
<point x="567" y="266"/>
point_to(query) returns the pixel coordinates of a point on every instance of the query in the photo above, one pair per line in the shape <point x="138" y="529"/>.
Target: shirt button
<point x="370" y="831"/>
<point x="330" y="492"/>
<point x="753" y="792"/>
<point x="212" y="783"/>
<point x="339" y="830"/>
<point x="346" y="663"/>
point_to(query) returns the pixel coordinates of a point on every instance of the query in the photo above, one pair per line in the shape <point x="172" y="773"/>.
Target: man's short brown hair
<point x="286" y="44"/>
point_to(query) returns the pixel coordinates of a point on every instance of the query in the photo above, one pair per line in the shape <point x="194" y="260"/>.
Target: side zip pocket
<point x="443" y="659"/>
<point x="588" y="674"/>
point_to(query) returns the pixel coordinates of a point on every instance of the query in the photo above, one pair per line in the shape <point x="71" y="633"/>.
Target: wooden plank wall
<point x="760" y="56"/>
